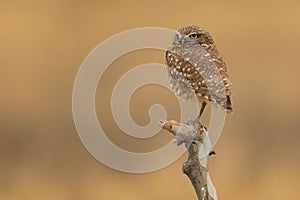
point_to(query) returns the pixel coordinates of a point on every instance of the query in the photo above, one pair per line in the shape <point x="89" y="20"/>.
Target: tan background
<point x="42" y="46"/>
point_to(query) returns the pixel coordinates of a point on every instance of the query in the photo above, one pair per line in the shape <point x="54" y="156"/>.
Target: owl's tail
<point x="228" y="105"/>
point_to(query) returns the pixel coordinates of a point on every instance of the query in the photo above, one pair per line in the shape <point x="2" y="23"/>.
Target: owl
<point x="195" y="66"/>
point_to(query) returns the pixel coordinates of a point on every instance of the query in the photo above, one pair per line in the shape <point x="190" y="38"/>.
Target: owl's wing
<point x="221" y="94"/>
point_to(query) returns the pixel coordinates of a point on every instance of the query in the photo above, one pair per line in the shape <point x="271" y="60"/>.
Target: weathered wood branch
<point x="196" y="140"/>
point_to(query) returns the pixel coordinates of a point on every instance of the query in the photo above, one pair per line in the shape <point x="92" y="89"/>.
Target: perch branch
<point x="196" y="140"/>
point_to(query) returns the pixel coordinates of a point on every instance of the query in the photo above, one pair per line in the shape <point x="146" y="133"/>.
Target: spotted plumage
<point x="196" y="66"/>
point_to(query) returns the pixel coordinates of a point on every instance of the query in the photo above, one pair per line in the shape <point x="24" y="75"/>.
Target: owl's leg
<point x="201" y="110"/>
<point x="203" y="103"/>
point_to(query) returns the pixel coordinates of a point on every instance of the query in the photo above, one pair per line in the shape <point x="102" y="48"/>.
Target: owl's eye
<point x="194" y="36"/>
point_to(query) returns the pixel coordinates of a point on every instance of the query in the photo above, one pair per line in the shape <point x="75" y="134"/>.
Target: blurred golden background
<point x="42" y="46"/>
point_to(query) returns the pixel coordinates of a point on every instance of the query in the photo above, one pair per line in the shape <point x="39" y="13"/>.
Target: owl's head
<point x="192" y="35"/>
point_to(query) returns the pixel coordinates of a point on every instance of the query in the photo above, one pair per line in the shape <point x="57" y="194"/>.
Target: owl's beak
<point x="178" y="39"/>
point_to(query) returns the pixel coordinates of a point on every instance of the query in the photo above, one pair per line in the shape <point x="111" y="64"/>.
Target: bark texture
<point x="195" y="137"/>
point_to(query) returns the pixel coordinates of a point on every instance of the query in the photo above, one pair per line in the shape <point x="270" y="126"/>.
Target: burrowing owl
<point x="194" y="65"/>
